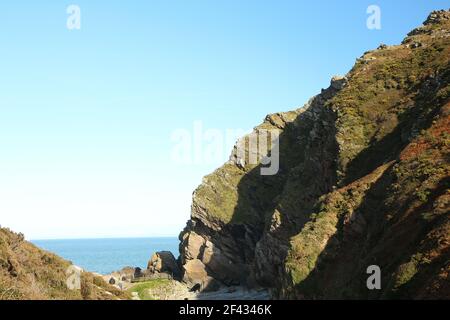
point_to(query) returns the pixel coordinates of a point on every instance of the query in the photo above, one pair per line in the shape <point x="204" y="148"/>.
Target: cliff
<point x="363" y="180"/>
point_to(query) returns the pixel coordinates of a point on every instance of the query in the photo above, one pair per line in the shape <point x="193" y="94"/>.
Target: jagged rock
<point x="437" y="17"/>
<point x="338" y="82"/>
<point x="164" y="262"/>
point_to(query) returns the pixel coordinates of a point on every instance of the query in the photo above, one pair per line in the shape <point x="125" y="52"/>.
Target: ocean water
<point x="107" y="255"/>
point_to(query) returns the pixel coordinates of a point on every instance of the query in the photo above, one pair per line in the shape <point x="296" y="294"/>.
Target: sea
<point x="107" y="255"/>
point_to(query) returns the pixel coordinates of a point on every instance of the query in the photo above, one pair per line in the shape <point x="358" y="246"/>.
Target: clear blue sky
<point x="86" y="115"/>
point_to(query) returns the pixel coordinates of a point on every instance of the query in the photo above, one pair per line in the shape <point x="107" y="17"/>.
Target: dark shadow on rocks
<point x="306" y="147"/>
<point x="388" y="242"/>
<point x="305" y="142"/>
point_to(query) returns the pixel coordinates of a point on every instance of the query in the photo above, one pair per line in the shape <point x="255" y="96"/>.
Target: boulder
<point x="164" y="262"/>
<point x="338" y="82"/>
<point x="210" y="284"/>
<point x="437" y="17"/>
<point x="194" y="273"/>
<point x="197" y="278"/>
<point x="137" y="273"/>
<point x="192" y="246"/>
<point x="220" y="266"/>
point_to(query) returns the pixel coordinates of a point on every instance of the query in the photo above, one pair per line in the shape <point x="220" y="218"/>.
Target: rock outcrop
<point x="363" y="180"/>
<point x="164" y="262"/>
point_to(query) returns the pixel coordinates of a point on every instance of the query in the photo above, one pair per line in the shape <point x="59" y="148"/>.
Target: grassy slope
<point x="152" y="289"/>
<point x="27" y="272"/>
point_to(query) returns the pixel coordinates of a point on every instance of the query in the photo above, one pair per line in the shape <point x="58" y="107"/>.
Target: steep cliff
<point x="363" y="180"/>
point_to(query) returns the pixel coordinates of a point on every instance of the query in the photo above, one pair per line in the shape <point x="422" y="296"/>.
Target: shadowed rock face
<point x="363" y="180"/>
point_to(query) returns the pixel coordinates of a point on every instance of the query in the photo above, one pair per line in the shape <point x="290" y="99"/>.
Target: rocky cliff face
<point x="363" y="180"/>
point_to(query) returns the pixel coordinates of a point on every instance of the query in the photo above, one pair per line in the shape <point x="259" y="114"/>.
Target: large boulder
<point x="221" y="267"/>
<point x="164" y="262"/>
<point x="194" y="273"/>
<point x="196" y="277"/>
<point x="138" y="273"/>
<point x="192" y="246"/>
<point x="338" y="82"/>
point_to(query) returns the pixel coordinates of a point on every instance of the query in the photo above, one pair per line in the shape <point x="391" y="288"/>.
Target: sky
<point x="88" y="116"/>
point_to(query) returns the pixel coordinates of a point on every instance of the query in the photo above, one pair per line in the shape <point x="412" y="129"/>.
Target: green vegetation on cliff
<point x="395" y="109"/>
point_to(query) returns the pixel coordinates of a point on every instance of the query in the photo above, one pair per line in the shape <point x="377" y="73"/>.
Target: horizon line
<point x="103" y="238"/>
